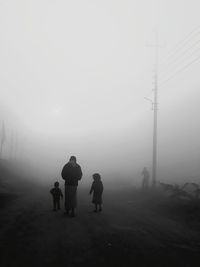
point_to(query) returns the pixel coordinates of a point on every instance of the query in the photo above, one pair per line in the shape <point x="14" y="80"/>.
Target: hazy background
<point x="73" y="78"/>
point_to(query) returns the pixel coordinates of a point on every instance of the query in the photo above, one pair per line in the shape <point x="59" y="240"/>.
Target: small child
<point x="56" y="193"/>
<point x="97" y="190"/>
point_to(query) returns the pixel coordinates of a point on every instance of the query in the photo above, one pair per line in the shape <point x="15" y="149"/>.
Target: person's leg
<point x="73" y="200"/>
<point x="95" y="210"/>
<point x="54" y="204"/>
<point x="58" y="204"/>
<point x="73" y="212"/>
<point x="66" y="201"/>
<point x="67" y="211"/>
<point x="143" y="184"/>
<point x="146" y="184"/>
<point x="100" y="207"/>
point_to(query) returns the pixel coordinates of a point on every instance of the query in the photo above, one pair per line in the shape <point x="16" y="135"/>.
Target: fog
<point x="74" y="77"/>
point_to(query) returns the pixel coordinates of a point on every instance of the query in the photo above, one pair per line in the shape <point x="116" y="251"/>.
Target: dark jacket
<point x="97" y="187"/>
<point x="56" y="193"/>
<point x="71" y="174"/>
<point x="97" y="190"/>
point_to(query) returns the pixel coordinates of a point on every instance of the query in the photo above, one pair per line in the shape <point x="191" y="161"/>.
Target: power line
<point x="180" y="70"/>
<point x="181" y="60"/>
<point x="179" y="57"/>
<point x="182" y="43"/>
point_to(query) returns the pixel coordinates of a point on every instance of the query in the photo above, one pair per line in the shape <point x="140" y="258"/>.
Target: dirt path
<point x="123" y="235"/>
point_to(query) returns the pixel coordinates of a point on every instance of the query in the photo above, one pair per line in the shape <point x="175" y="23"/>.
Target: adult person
<point x="71" y="173"/>
<point x="145" y="181"/>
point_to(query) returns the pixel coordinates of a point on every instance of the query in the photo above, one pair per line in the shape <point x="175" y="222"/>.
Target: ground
<point x="134" y="229"/>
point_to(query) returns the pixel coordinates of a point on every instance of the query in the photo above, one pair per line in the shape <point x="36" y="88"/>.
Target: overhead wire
<point x="180" y="70"/>
<point x="182" y="56"/>
<point x="182" y="43"/>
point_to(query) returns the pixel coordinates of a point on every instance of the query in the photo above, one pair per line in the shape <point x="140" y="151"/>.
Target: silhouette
<point x="97" y="190"/>
<point x="145" y="181"/>
<point x="71" y="173"/>
<point x="57" y="194"/>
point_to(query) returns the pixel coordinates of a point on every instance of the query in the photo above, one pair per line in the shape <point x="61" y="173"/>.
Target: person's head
<point x="96" y="177"/>
<point x="72" y="160"/>
<point x="56" y="184"/>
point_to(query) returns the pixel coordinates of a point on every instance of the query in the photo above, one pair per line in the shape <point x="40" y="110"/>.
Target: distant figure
<point x="145" y="181"/>
<point x="71" y="173"/>
<point x="57" y="194"/>
<point x="97" y="190"/>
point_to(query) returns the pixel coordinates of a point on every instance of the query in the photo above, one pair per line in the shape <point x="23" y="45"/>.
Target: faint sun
<point x="57" y="110"/>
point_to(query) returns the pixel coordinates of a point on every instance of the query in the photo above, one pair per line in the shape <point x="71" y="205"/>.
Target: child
<point x="97" y="190"/>
<point x="56" y="193"/>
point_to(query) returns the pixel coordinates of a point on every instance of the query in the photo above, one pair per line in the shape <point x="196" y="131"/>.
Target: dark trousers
<point x="70" y="197"/>
<point x="56" y="203"/>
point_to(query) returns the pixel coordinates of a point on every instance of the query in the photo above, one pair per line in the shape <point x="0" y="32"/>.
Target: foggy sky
<point x="74" y="75"/>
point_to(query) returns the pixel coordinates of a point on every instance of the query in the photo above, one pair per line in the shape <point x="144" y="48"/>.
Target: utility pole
<point x="11" y="145"/>
<point x="155" y="119"/>
<point x="16" y="141"/>
<point x="156" y="46"/>
<point x="3" y="137"/>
